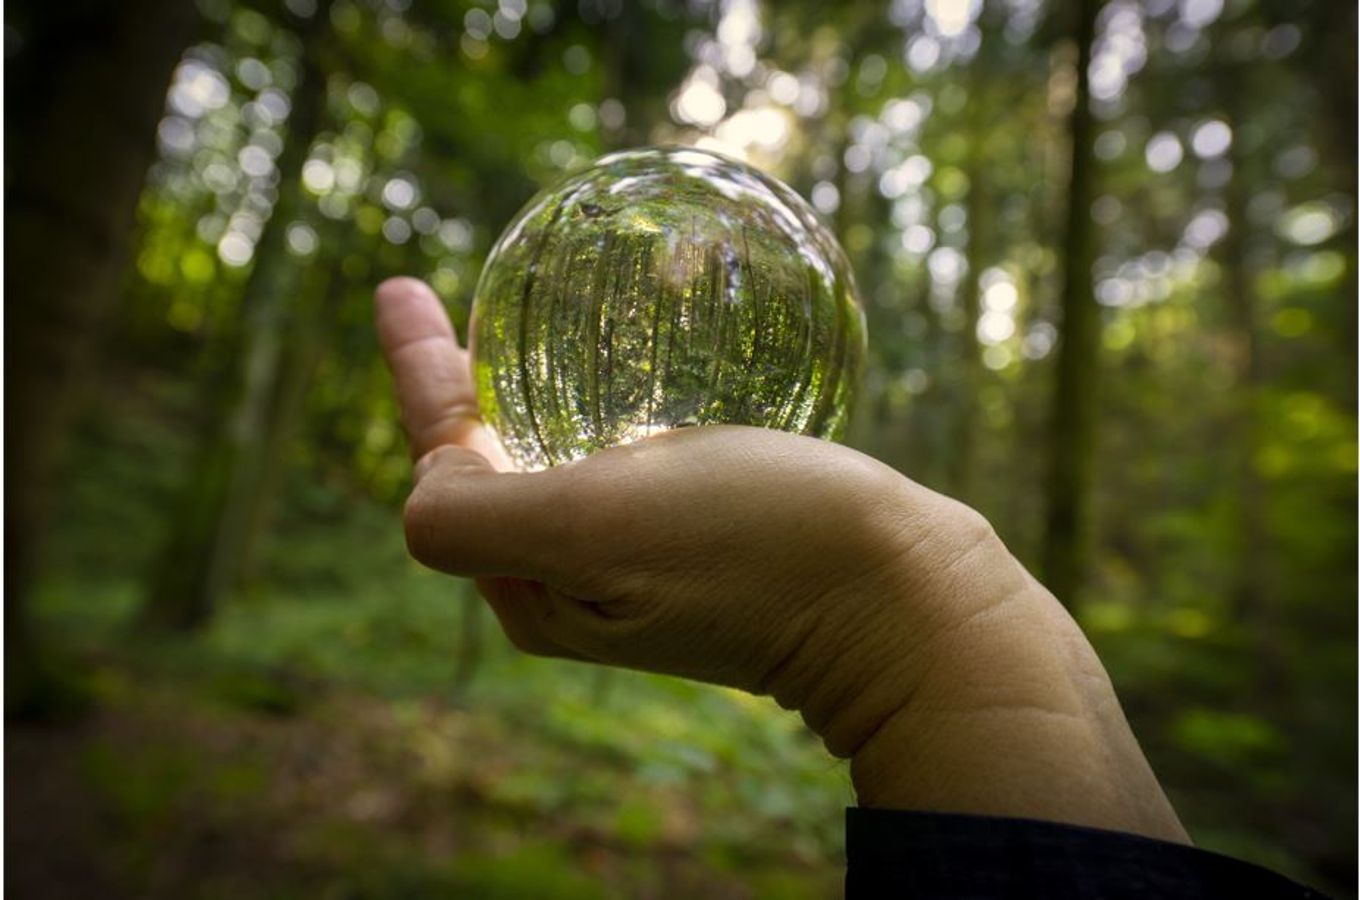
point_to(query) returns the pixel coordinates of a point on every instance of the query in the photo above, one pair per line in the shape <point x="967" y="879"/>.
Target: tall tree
<point x="87" y="86"/>
<point x="204" y="554"/>
<point x="1073" y="415"/>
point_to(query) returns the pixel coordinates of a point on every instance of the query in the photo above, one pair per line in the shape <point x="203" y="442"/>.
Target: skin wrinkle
<point x="926" y="768"/>
<point x="833" y="706"/>
<point x="917" y="689"/>
<point x="765" y="684"/>
<point x="831" y="730"/>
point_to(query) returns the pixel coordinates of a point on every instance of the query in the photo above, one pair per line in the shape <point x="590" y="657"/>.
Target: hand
<point x="890" y="616"/>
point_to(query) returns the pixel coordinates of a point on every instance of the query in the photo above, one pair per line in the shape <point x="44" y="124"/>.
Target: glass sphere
<point x="661" y="288"/>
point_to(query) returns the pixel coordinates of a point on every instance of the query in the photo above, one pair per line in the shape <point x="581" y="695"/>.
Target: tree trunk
<point x="1250" y="587"/>
<point x="316" y="308"/>
<point x="1073" y="416"/>
<point x="87" y="87"/>
<point x="203" y="556"/>
<point x="963" y="449"/>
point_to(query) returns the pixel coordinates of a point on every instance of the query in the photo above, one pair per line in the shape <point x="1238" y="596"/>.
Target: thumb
<point x="465" y="518"/>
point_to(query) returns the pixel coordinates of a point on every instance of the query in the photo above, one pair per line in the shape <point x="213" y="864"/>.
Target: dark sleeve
<point x="894" y="853"/>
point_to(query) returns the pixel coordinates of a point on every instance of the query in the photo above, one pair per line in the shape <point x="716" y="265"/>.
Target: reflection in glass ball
<point x="657" y="289"/>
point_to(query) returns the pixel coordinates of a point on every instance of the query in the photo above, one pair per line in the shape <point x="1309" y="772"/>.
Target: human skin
<point x="891" y="617"/>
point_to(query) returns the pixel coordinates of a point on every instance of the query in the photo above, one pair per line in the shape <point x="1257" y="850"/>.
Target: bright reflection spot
<point x="235" y="249"/>
<point x="1114" y="292"/>
<point x="506" y="27"/>
<point x="1309" y="223"/>
<point x="176" y="136"/>
<point x="951" y="17"/>
<point x="740" y="23"/>
<point x="349" y="174"/>
<point x="253" y="74"/>
<point x="918" y="239"/>
<point x="812" y="98"/>
<point x="477" y="23"/>
<point x="562" y="153"/>
<point x="302" y="239"/>
<point x="857" y="158"/>
<point x="740" y="60"/>
<point x="947" y="266"/>
<point x="922" y="53"/>
<point x="399" y="193"/>
<point x="1212" y="138"/>
<point x="255" y="161"/>
<point x="1200" y="13"/>
<point x="996" y="357"/>
<point x="952" y="218"/>
<point x="1205" y="229"/>
<point x="1120" y="51"/>
<point x="198" y="89"/>
<point x="738" y="32"/>
<point x="247" y="223"/>
<point x="995" y="327"/>
<point x="396" y="230"/>
<point x="582" y="117"/>
<point x="700" y="102"/>
<point x="765" y="127"/>
<point x="318" y="176"/>
<point x="363" y="98"/>
<point x="1000" y="294"/>
<point x="219" y="177"/>
<point x="1039" y="340"/>
<point x="274" y="104"/>
<point x="902" y="115"/>
<point x="908" y="211"/>
<point x="334" y="206"/>
<point x="425" y="220"/>
<point x="825" y="197"/>
<point x="1163" y="152"/>
<point x="456" y="234"/>
<point x="713" y="145"/>
<point x="783" y="88"/>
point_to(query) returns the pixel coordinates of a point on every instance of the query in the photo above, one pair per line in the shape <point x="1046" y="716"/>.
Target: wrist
<point x="1013" y="715"/>
<point x="927" y="565"/>
<point x="953" y="681"/>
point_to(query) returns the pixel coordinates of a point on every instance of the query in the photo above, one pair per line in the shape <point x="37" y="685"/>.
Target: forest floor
<point x="199" y="772"/>
<point x="179" y="788"/>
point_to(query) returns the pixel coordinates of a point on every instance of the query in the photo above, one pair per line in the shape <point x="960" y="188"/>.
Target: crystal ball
<point x="657" y="289"/>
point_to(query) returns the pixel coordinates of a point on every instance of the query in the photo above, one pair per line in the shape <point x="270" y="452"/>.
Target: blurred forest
<point x="1108" y="255"/>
